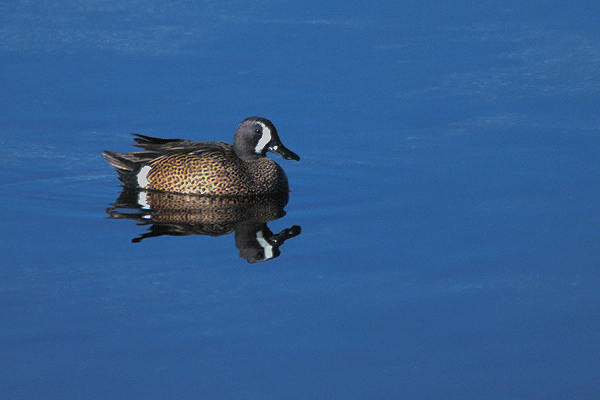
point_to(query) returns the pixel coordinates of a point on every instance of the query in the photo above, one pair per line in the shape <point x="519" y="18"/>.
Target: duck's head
<point x="255" y="136"/>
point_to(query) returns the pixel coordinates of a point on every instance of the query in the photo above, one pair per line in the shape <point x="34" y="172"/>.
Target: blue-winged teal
<point x="208" y="168"/>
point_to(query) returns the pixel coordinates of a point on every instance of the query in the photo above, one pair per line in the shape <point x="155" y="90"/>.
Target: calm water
<point x="446" y="202"/>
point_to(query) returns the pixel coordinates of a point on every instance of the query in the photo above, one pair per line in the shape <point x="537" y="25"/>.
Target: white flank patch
<point x="265" y="245"/>
<point x="142" y="176"/>
<point x="143" y="200"/>
<point x="264" y="139"/>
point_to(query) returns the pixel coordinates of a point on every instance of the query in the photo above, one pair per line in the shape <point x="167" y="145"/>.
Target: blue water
<point x="447" y="196"/>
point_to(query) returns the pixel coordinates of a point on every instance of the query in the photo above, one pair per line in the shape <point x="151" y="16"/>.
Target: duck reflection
<point x="181" y="215"/>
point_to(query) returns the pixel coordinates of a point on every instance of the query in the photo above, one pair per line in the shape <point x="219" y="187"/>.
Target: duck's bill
<point x="284" y="152"/>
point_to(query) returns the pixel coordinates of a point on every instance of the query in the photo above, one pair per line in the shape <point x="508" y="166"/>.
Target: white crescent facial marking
<point x="265" y="245"/>
<point x="264" y="139"/>
<point x="142" y="176"/>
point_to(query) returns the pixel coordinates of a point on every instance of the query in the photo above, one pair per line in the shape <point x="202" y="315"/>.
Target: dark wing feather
<point x="143" y="140"/>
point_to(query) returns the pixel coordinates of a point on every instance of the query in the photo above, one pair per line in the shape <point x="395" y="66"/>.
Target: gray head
<point x="256" y="136"/>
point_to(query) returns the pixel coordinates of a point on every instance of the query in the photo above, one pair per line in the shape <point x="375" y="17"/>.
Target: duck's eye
<point x="257" y="130"/>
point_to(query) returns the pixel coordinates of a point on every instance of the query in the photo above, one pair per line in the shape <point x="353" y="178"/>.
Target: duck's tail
<point x="127" y="165"/>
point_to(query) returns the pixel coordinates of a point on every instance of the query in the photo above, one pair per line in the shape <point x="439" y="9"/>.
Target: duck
<point x="207" y="168"/>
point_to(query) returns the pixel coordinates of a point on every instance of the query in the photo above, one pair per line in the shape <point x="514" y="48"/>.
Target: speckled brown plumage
<point x="215" y="170"/>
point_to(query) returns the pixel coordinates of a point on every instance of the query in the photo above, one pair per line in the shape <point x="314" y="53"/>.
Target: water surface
<point x="447" y="199"/>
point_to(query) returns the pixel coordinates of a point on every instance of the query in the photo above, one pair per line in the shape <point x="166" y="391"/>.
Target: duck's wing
<point x="148" y="142"/>
<point x="154" y="147"/>
<point x="215" y="150"/>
